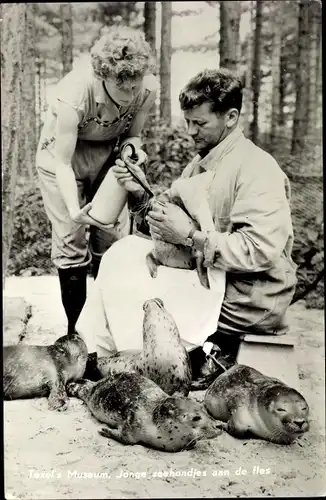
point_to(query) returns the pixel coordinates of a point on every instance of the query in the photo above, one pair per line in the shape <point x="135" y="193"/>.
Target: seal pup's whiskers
<point x="163" y="359"/>
<point x="250" y="401"/>
<point x="135" y="410"/>
<point x="31" y="371"/>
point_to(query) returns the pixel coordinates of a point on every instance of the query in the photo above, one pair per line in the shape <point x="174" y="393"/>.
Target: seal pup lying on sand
<point x="163" y="358"/>
<point x="136" y="410"/>
<point x="31" y="371"/>
<point x="253" y="404"/>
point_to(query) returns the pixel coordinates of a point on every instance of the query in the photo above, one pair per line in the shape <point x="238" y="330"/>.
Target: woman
<point x="97" y="111"/>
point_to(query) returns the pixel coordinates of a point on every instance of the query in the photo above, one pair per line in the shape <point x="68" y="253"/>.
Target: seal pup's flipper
<point x="118" y="434"/>
<point x="202" y="271"/>
<point x="152" y="264"/>
<point x="58" y="399"/>
<point x="232" y="427"/>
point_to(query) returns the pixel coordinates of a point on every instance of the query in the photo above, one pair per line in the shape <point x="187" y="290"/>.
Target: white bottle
<point x="109" y="200"/>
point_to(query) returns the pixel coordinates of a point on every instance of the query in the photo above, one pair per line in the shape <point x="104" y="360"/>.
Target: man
<point x="248" y="196"/>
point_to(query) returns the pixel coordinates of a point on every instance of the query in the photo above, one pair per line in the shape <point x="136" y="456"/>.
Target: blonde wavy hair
<point x="122" y="54"/>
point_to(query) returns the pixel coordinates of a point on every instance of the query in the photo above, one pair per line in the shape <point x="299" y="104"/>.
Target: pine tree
<point x="314" y="19"/>
<point x="300" y="119"/>
<point x="230" y="48"/>
<point x="256" y="74"/>
<point x="12" y="48"/>
<point x="150" y="36"/>
<point x="247" y="58"/>
<point x="67" y="37"/>
<point x="277" y="22"/>
<point x="28" y="144"/>
<point x="165" y="63"/>
<point x="150" y="24"/>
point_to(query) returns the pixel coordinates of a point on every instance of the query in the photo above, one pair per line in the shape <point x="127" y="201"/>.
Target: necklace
<point x="118" y="106"/>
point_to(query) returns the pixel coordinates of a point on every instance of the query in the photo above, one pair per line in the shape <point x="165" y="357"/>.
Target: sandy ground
<point x="52" y="455"/>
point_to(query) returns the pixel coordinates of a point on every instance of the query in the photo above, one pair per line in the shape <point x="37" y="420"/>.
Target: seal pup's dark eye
<point x="196" y="418"/>
<point x="280" y="409"/>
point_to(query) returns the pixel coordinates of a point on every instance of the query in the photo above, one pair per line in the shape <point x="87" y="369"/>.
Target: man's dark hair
<point x="221" y="87"/>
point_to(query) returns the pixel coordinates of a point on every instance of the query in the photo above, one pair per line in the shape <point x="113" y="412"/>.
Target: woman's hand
<point x="81" y="217"/>
<point x="127" y="152"/>
<point x="125" y="178"/>
<point x="169" y="223"/>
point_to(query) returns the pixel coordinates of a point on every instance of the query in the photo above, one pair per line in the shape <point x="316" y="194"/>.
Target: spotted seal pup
<point x="177" y="256"/>
<point x="31" y="371"/>
<point x="163" y="358"/>
<point x="253" y="404"/>
<point x="136" y="410"/>
<point x="191" y="195"/>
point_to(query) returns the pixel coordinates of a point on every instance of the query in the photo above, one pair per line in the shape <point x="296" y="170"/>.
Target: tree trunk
<point x="230" y="49"/>
<point x="300" y="119"/>
<point x="256" y="74"/>
<point x="281" y="114"/>
<point x="165" y="63"/>
<point x="67" y="38"/>
<point x="39" y="94"/>
<point x="247" y="90"/>
<point x="314" y="20"/>
<point x="319" y="79"/>
<point x="150" y="36"/>
<point x="27" y="149"/>
<point x="277" y="21"/>
<point x="150" y="24"/>
<point x="12" y="48"/>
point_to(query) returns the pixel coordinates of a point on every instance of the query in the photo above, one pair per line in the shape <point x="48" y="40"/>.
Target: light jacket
<point x="248" y="196"/>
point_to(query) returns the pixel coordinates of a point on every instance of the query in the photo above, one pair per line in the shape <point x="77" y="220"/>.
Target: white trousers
<point x="112" y="318"/>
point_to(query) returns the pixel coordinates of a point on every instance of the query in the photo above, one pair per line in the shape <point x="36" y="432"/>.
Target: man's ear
<point x="232" y="117"/>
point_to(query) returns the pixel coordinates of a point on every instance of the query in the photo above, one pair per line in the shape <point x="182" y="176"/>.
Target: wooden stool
<point x="272" y="355"/>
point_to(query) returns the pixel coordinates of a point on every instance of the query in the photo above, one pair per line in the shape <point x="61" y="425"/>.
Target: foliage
<point x="305" y="175"/>
<point x="31" y="243"/>
<point x="308" y="248"/>
<point x="172" y="150"/>
<point x="90" y="20"/>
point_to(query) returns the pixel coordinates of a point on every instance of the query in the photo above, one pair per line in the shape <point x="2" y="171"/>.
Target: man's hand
<point x="81" y="217"/>
<point x="125" y="178"/>
<point x="169" y="223"/>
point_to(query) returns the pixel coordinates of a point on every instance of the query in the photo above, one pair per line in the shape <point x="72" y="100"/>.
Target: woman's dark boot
<point x="73" y="293"/>
<point x="95" y="265"/>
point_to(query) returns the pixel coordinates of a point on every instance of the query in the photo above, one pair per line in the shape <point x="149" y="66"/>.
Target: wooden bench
<point x="273" y="355"/>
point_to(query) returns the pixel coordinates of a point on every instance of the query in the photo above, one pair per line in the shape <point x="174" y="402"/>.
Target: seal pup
<point x="253" y="404"/>
<point x="135" y="410"/>
<point x="176" y="255"/>
<point x="31" y="371"/>
<point x="163" y="359"/>
<point x="191" y="195"/>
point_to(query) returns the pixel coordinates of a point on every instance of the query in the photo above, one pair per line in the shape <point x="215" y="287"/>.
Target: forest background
<point x="275" y="46"/>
